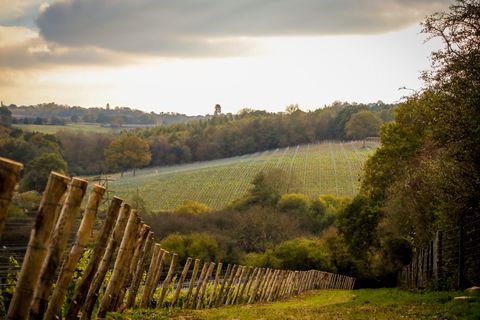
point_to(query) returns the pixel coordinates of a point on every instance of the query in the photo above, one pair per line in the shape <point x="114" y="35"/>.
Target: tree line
<point x="57" y="114"/>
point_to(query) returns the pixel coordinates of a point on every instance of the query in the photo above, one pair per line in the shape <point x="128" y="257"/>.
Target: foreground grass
<point x="335" y="304"/>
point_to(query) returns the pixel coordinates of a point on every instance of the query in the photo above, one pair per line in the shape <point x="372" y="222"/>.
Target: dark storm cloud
<point x="215" y="27"/>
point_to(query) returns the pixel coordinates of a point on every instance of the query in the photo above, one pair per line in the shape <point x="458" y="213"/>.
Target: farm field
<point x="314" y="169"/>
<point x="50" y="129"/>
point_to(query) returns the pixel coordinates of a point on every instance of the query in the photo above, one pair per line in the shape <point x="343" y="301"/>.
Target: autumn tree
<point x="38" y="170"/>
<point x="363" y="124"/>
<point x="128" y="152"/>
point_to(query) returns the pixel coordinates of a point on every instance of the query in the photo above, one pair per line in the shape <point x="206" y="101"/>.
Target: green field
<point x="50" y="129"/>
<point x="315" y="169"/>
<point x="379" y="304"/>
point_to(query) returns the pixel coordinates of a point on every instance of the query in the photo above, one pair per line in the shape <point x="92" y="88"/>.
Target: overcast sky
<point x="188" y="55"/>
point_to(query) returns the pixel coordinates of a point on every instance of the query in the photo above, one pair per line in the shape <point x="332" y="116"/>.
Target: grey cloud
<point x="213" y="27"/>
<point x="35" y="54"/>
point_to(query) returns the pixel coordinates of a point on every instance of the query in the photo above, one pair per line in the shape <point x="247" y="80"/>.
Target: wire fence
<point x="450" y="261"/>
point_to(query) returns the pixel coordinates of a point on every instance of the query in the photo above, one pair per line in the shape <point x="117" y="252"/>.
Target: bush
<point x="196" y="245"/>
<point x="295" y="203"/>
<point x="192" y="207"/>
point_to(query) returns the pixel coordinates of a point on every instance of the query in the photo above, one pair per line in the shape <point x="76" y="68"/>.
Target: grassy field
<point x="71" y="126"/>
<point x="315" y="169"/>
<point x="381" y="304"/>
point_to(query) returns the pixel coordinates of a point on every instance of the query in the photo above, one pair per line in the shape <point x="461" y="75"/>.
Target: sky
<point x="188" y="55"/>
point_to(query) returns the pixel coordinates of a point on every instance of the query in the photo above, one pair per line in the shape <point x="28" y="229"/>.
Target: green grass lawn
<point x="71" y="126"/>
<point x="313" y="169"/>
<point x="379" y="304"/>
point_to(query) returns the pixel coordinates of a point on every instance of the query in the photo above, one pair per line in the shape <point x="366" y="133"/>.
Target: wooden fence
<point x="449" y="262"/>
<point x="126" y="268"/>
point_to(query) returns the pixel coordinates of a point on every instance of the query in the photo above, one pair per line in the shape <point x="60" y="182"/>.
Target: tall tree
<point x="128" y="152"/>
<point x="362" y="125"/>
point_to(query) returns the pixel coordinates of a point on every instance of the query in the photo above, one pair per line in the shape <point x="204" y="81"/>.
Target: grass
<point x="315" y="169"/>
<point x="71" y="126"/>
<point x="382" y="304"/>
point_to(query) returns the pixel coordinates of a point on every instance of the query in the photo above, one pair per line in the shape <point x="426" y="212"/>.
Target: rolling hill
<point x="314" y="169"/>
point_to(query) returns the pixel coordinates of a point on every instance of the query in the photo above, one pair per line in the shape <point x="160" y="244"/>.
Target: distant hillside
<point x="55" y="114"/>
<point x="312" y="169"/>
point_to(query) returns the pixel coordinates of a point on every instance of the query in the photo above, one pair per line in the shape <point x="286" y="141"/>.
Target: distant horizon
<point x="7" y="104"/>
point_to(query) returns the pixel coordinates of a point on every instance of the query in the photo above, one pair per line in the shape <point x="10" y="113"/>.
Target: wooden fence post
<point x="179" y="288"/>
<point x="97" y="254"/>
<point x="204" y="285"/>
<point x="437" y="256"/>
<point x="228" y="283"/>
<point x="234" y="287"/>
<point x="250" y="283"/>
<point x="215" y="285"/>
<point x="137" y="276"/>
<point x="111" y="293"/>
<point x="239" y="285"/>
<point x="265" y="284"/>
<point x="54" y="309"/>
<point x="218" y="300"/>
<point x="251" y="299"/>
<point x="243" y="285"/>
<point x="150" y="282"/>
<point x="135" y="251"/>
<point x="58" y="243"/>
<point x="200" y="281"/>
<point x="9" y="176"/>
<point x="37" y="247"/>
<point x="93" y="290"/>
<point x="196" y="266"/>
<point x="168" y="279"/>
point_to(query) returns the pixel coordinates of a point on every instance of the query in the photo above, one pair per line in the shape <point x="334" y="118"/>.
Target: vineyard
<point x="314" y="169"/>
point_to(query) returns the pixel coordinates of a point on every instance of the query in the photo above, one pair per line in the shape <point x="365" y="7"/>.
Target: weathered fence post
<point x="200" y="281"/>
<point x="239" y="285"/>
<point x="461" y="254"/>
<point x="111" y="293"/>
<point x="234" y="285"/>
<point x="58" y="243"/>
<point x="228" y="284"/>
<point x="179" y="288"/>
<point x="37" y="247"/>
<point x="204" y="285"/>
<point x="137" y="276"/>
<point x="92" y="295"/>
<point x="168" y="279"/>
<point x="54" y="309"/>
<point x="250" y="283"/>
<point x="219" y="298"/>
<point x="97" y="254"/>
<point x="192" y="283"/>
<point x="437" y="256"/>
<point x="150" y="281"/>
<point x="135" y="252"/>
<point x="243" y="285"/>
<point x="9" y="176"/>
<point x="215" y="285"/>
<point x="255" y="286"/>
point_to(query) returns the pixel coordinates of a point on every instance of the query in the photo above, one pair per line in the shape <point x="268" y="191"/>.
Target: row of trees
<point x="38" y="114"/>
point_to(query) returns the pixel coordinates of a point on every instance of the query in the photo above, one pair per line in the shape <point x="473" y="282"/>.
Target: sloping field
<point x="323" y="168"/>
